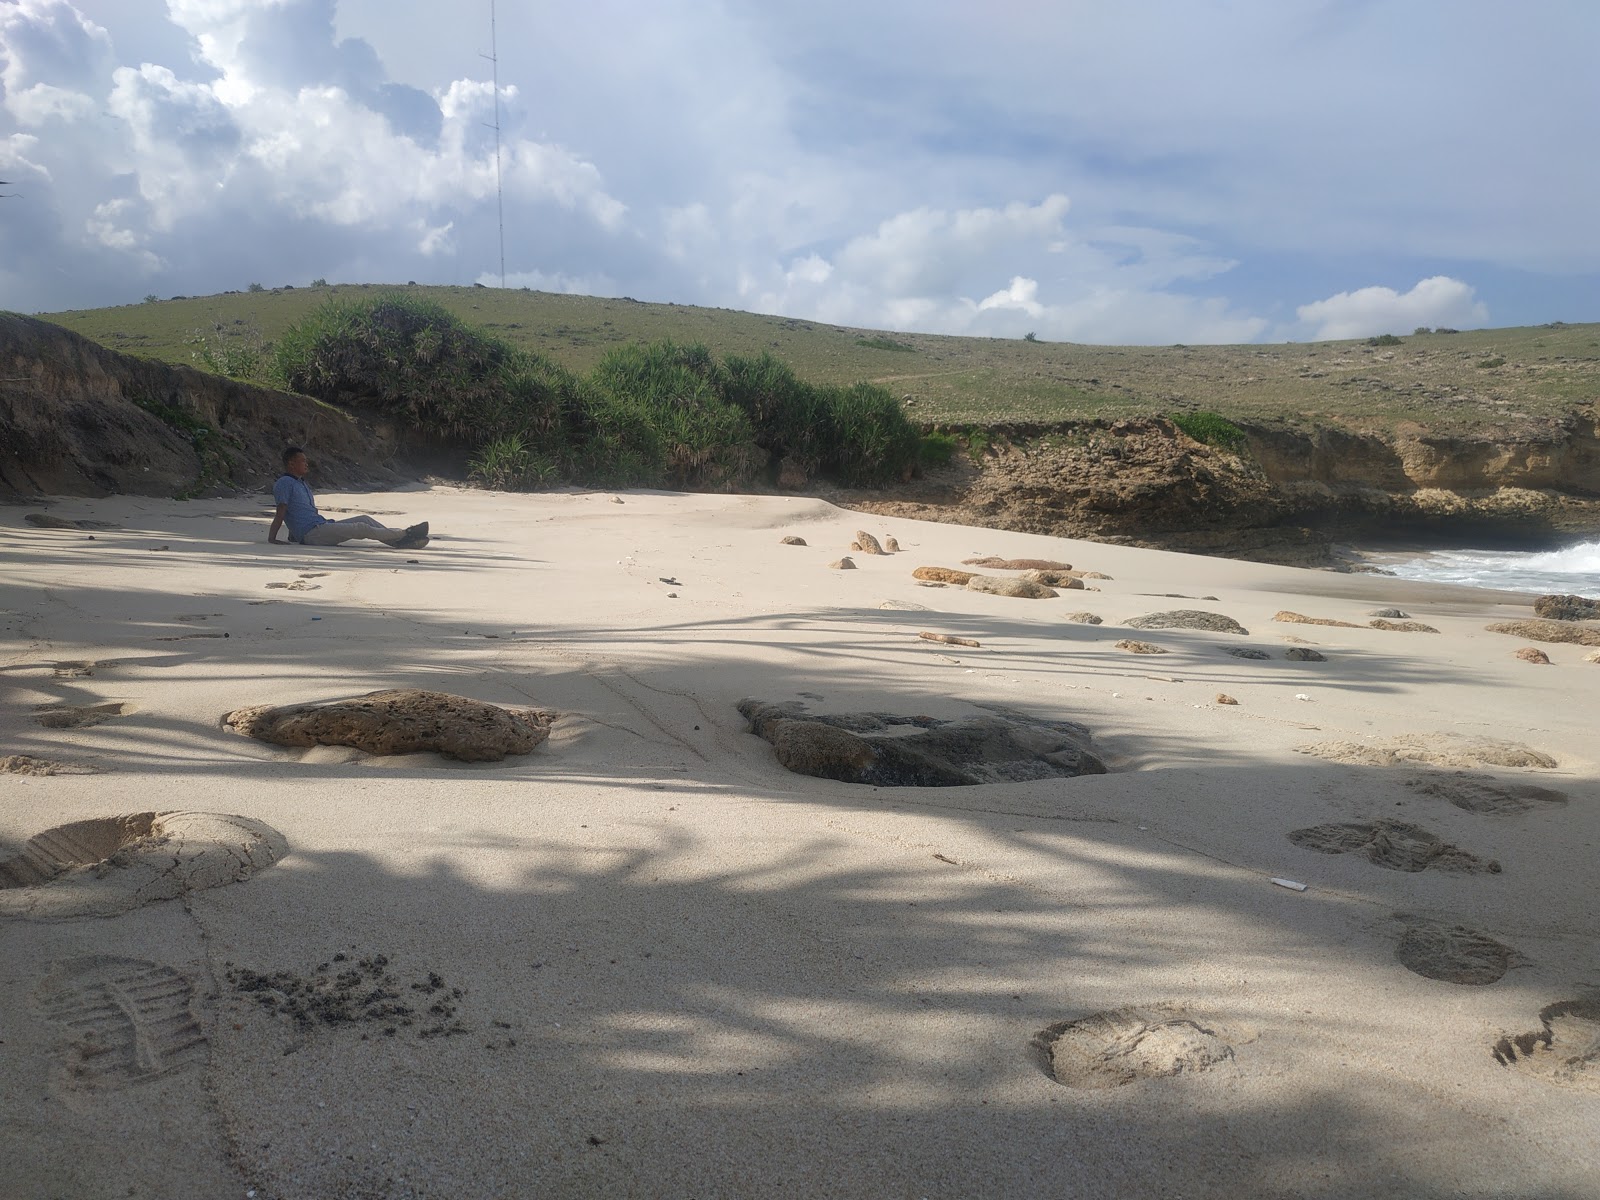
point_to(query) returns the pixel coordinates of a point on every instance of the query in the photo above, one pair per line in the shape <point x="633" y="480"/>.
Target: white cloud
<point x="1439" y="300"/>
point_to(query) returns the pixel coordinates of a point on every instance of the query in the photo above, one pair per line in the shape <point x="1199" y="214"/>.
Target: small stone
<point x="1133" y="647"/>
<point x="1066" y="580"/>
<point x="1593" y="656"/>
<point x="843" y="564"/>
<point x="891" y="546"/>
<point x="1248" y="652"/>
<point x="1224" y="698"/>
<point x="791" y="540"/>
<point x="1295" y="618"/>
<point x="1084" y="618"/>
<point x="1401" y="626"/>
<point x="1533" y="654"/>
<point x="1304" y="654"/>
<point x="1392" y="614"/>
<point x="949" y="639"/>
<point x="1188" y="618"/>
<point x="856" y="546"/>
<point x="866" y="543"/>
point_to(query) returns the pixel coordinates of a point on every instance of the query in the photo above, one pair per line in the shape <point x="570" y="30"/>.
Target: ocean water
<point x="1572" y="570"/>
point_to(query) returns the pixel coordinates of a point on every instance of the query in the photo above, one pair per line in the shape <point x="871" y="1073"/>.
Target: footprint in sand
<point x="1565" y="1050"/>
<point x="1431" y="749"/>
<point x="1485" y="795"/>
<point x="1455" y="953"/>
<point x="1395" y="846"/>
<point x="110" y="865"/>
<point x="26" y="764"/>
<point x="1119" y="1046"/>
<point x="81" y="716"/>
<point x="126" y="1020"/>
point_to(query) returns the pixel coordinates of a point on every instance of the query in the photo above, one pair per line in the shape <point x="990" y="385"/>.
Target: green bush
<point x="1384" y="339"/>
<point x="1212" y="429"/>
<point x="1491" y="363"/>
<point x="869" y="441"/>
<point x="937" y="449"/>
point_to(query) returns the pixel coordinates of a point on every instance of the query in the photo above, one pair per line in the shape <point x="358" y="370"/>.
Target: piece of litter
<point x="1301" y="696"/>
<point x="1290" y="884"/>
<point x="316" y="618"/>
<point x="1144" y="827"/>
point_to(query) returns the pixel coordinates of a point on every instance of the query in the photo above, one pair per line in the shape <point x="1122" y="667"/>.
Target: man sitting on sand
<point x="298" y="509"/>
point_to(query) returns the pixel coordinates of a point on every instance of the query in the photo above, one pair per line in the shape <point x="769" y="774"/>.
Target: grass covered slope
<point x="1449" y="381"/>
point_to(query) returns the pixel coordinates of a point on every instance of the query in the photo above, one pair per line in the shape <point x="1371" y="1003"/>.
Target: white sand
<point x="690" y="973"/>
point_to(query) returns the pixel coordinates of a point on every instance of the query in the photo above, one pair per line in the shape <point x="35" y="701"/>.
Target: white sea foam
<point x="1573" y="569"/>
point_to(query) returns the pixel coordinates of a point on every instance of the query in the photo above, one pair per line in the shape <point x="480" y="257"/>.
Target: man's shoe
<point x="416" y="536"/>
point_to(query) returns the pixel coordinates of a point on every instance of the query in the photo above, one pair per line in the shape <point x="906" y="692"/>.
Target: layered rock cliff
<point x="79" y="419"/>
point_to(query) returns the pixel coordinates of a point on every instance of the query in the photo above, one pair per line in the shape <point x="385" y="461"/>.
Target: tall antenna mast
<point x="499" y="198"/>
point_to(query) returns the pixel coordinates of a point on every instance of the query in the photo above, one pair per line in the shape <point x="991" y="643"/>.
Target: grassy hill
<point x="1443" y="380"/>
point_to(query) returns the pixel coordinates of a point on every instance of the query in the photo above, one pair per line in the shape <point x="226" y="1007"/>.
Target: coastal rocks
<point x="1022" y="589"/>
<point x="1400" y="626"/>
<point x="842" y="564"/>
<point x="1248" y="652"/>
<point x="1563" y="1050"/>
<point x="1224" y="698"/>
<point x="943" y="575"/>
<point x="867" y="544"/>
<point x="1547" y="631"/>
<point x="1188" y="618"/>
<point x="1567" y="608"/>
<point x="1391" y="614"/>
<point x="1133" y="647"/>
<point x="1294" y="618"/>
<point x="1393" y="845"/>
<point x="1017" y="564"/>
<point x="885" y="750"/>
<point x="1120" y="1046"/>
<point x="400" y="722"/>
<point x="1455" y="954"/>
<point x="102" y="867"/>
<point x="1431" y="749"/>
<point x="791" y="540"/>
<point x="1304" y="654"/>
<point x="1532" y="654"/>
<point x="1084" y="618"/>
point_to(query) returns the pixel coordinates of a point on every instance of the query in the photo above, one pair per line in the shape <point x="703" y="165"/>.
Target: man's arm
<point x="277" y="523"/>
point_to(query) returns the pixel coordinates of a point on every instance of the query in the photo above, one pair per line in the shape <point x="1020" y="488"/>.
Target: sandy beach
<point x="646" y="959"/>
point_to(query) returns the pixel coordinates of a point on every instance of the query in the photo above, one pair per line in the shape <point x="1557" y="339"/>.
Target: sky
<point x="1149" y="172"/>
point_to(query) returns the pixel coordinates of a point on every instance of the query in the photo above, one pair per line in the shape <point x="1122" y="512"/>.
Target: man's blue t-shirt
<point x="300" y="510"/>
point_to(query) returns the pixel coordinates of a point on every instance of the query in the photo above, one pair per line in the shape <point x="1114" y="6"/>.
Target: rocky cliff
<point x="79" y="419"/>
<point x="1283" y="494"/>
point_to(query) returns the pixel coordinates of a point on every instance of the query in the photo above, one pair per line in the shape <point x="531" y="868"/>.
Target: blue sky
<point x="1241" y="170"/>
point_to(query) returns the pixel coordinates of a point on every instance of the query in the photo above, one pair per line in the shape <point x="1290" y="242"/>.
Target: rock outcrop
<point x="400" y="722"/>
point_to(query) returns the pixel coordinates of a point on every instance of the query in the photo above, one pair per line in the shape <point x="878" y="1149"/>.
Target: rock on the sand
<point x="1188" y="618"/>
<point x="1567" y="608"/>
<point x="891" y="545"/>
<point x="1022" y="589"/>
<point x="1224" y="698"/>
<point x="867" y="544"/>
<point x="843" y="564"/>
<point x="1304" y="654"/>
<point x="1017" y="564"/>
<point x="877" y="749"/>
<point x="1085" y="618"/>
<point x="1432" y="749"/>
<point x="1400" y="626"/>
<point x="400" y="722"/>
<point x="1547" y="631"/>
<point x="1248" y="652"/>
<point x="1294" y="618"/>
<point x="1066" y="580"/>
<point x="792" y="540"/>
<point x="1533" y="654"/>
<point x="1133" y="647"/>
<point x="1391" y="614"/>
<point x="943" y="575"/>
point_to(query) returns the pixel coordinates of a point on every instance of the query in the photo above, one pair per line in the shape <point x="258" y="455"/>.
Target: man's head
<point x="294" y="462"/>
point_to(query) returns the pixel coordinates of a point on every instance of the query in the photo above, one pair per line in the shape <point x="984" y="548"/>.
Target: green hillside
<point x="1441" y="379"/>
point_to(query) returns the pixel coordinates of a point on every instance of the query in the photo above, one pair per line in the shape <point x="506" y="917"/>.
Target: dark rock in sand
<point x="1533" y="654"/>
<point x="1304" y="654"/>
<point x="869" y="748"/>
<point x="1248" y="652"/>
<point x="1188" y="618"/>
<point x="1133" y="647"/>
<point x="1392" y="614"/>
<point x="400" y="722"/>
<point x="1084" y="618"/>
<point x="1567" y="608"/>
<point x="1401" y="626"/>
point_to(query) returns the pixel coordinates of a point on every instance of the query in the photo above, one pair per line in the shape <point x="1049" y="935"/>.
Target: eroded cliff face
<point x="1286" y="496"/>
<point x="79" y="419"/>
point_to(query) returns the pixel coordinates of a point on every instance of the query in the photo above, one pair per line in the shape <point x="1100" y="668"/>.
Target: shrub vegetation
<point x="656" y="414"/>
<point x="1212" y="429"/>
